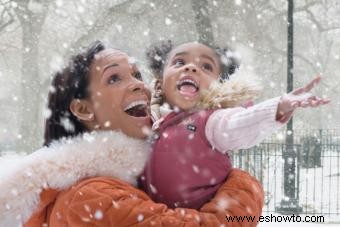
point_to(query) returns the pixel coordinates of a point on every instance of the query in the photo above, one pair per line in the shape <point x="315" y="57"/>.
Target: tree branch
<point x="99" y="24"/>
<point x="6" y="12"/>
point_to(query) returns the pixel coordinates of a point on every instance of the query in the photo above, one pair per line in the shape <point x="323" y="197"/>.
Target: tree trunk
<point x="29" y="119"/>
<point x="202" y="21"/>
<point x="30" y="90"/>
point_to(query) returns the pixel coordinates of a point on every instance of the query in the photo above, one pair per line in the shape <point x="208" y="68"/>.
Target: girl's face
<point x="117" y="94"/>
<point x="191" y="68"/>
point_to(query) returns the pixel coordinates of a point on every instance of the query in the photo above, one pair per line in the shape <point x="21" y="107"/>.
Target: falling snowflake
<point x="119" y="28"/>
<point x="14" y="4"/>
<point x="107" y="124"/>
<point x="87" y="208"/>
<point x="80" y="9"/>
<point x="98" y="215"/>
<point x="59" y="3"/>
<point x="168" y="21"/>
<point x="67" y="124"/>
<point x="213" y="181"/>
<point x="140" y="217"/>
<point x="182" y="212"/>
<point x="238" y="2"/>
<point x="195" y="168"/>
<point x="146" y="32"/>
<point x="115" y="204"/>
<point x="153" y="189"/>
<point x="47" y="113"/>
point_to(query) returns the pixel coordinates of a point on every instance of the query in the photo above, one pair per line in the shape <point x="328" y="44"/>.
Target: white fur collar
<point x="63" y="164"/>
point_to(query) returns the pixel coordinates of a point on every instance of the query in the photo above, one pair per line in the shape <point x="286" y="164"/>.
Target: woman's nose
<point x="139" y="87"/>
<point x="190" y="67"/>
<point x="136" y="85"/>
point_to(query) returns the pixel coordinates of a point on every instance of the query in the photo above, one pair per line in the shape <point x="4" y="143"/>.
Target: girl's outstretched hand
<point x="300" y="97"/>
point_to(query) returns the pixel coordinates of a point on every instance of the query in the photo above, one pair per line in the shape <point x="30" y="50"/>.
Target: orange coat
<point x="104" y="201"/>
<point x="90" y="180"/>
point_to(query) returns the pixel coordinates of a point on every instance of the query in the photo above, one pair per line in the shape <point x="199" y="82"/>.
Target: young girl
<point x="190" y="158"/>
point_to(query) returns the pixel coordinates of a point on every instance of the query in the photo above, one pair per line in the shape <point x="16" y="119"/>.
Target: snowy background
<point x="37" y="36"/>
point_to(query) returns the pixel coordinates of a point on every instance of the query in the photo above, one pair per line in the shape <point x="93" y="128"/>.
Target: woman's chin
<point x="140" y="127"/>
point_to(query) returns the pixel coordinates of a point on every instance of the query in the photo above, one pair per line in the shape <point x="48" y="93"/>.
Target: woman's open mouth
<point x="137" y="109"/>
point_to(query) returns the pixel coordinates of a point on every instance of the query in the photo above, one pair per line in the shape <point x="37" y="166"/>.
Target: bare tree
<point x="31" y="15"/>
<point x="202" y="21"/>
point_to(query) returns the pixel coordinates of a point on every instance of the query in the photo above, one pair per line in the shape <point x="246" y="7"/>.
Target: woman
<point x="100" y="103"/>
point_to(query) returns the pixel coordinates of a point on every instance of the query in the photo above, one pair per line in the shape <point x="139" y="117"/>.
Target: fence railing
<point x="317" y="171"/>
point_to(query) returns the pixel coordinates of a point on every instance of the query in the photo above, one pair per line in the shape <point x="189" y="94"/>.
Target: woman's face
<point x="117" y="94"/>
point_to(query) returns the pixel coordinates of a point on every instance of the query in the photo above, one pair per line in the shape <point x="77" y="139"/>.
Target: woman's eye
<point x="207" y="66"/>
<point x="138" y="76"/>
<point x="179" y="62"/>
<point x="113" y="79"/>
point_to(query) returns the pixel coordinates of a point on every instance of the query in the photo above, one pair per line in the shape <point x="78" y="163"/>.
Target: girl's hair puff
<point x="157" y="55"/>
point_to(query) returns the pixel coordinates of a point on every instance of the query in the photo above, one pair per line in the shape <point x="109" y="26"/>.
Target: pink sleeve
<point x="241" y="128"/>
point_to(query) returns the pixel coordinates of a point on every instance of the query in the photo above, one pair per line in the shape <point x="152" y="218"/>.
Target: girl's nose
<point x="191" y="67"/>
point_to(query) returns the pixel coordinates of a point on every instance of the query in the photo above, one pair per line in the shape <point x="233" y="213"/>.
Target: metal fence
<point x="316" y="172"/>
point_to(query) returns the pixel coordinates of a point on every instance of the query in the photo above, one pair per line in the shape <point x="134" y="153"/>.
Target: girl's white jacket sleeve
<point x="242" y="128"/>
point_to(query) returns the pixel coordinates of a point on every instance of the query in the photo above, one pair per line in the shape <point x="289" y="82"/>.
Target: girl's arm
<point x="240" y="128"/>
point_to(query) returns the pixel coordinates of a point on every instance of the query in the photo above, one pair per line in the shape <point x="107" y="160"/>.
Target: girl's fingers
<point x="325" y="101"/>
<point x="295" y="104"/>
<point x="308" y="87"/>
<point x="305" y="104"/>
<point x="312" y="84"/>
<point x="314" y="103"/>
<point x="298" y="91"/>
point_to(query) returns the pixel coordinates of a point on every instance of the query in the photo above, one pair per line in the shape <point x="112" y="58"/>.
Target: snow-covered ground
<point x="319" y="187"/>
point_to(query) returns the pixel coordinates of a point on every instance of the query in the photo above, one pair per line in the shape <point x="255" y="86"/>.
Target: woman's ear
<point x="82" y="110"/>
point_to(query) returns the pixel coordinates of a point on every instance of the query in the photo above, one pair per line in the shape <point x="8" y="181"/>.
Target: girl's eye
<point x="113" y="79"/>
<point x="179" y="62"/>
<point x="207" y="66"/>
<point x="138" y="76"/>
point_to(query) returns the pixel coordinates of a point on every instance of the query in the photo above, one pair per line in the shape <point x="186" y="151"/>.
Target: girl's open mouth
<point x="187" y="87"/>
